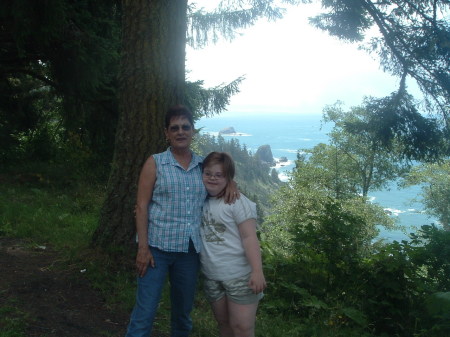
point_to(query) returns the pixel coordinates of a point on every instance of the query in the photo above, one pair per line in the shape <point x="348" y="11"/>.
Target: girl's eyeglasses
<point x="217" y="176"/>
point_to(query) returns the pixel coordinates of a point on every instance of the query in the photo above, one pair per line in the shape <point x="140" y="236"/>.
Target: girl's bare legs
<point x="235" y="320"/>
<point x="242" y="318"/>
<point x="220" y="310"/>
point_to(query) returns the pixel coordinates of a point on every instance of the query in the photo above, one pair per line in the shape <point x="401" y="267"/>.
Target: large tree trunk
<point x="152" y="78"/>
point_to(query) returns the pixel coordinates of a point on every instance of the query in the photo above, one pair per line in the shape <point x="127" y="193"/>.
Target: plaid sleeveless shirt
<point x="174" y="213"/>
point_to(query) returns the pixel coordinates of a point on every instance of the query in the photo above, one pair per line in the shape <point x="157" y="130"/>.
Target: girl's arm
<point x="247" y="230"/>
<point x="146" y="183"/>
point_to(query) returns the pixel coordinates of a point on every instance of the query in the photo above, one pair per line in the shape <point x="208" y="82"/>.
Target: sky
<point x="289" y="67"/>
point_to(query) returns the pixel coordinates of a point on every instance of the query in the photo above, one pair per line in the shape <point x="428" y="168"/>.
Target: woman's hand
<point x="144" y="258"/>
<point x="231" y="193"/>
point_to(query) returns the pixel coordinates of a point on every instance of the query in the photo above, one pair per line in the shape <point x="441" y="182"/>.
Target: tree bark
<point x="152" y="78"/>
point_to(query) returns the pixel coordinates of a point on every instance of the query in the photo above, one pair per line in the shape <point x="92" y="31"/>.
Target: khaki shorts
<point x="237" y="290"/>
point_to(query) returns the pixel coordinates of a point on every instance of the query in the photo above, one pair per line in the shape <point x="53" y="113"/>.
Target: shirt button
<point x="187" y="188"/>
<point x="189" y="223"/>
<point x="189" y="212"/>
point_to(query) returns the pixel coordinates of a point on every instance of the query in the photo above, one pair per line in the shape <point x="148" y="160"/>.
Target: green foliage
<point x="413" y="40"/>
<point x="313" y="245"/>
<point x="326" y="241"/>
<point x="435" y="182"/>
<point x="205" y="102"/>
<point x="393" y="291"/>
<point x="67" y="54"/>
<point x="309" y="191"/>
<point x="396" y="122"/>
<point x="438" y="306"/>
<point x="346" y="19"/>
<point x="373" y="144"/>
<point x="391" y="294"/>
<point x="230" y="16"/>
<point x="324" y="265"/>
<point x="28" y="120"/>
<point x="435" y="255"/>
<point x="402" y="278"/>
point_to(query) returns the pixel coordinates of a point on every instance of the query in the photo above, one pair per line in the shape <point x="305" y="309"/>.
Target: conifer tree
<point x="412" y="41"/>
<point x="152" y="78"/>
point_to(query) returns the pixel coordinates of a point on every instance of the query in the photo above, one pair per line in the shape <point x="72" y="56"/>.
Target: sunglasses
<point x="184" y="127"/>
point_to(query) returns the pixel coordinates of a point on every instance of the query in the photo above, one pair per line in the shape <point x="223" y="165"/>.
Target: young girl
<point x="230" y="257"/>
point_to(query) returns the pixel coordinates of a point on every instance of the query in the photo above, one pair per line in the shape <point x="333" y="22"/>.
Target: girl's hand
<point x="257" y="282"/>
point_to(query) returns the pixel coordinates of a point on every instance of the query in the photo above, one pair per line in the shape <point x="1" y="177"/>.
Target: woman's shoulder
<point x="162" y="157"/>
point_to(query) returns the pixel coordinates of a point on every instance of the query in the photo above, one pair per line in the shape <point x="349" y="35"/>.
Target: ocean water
<point x="287" y="133"/>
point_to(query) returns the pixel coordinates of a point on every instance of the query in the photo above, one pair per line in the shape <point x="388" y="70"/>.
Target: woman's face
<point x="179" y="132"/>
<point x="214" y="179"/>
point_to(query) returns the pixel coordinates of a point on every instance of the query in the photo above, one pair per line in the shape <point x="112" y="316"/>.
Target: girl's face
<point x="214" y="179"/>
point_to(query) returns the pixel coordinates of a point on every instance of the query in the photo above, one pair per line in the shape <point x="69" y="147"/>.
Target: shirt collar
<point x="170" y="159"/>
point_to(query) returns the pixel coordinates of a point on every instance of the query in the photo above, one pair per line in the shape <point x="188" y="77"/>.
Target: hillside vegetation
<point x="327" y="276"/>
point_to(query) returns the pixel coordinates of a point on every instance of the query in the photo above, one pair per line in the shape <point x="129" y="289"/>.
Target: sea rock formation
<point x="264" y="153"/>
<point x="227" y="130"/>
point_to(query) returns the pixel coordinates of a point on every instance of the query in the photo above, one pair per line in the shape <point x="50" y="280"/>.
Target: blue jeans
<point x="183" y="270"/>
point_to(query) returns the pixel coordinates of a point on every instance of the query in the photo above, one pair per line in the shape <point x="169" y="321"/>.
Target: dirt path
<point x="56" y="302"/>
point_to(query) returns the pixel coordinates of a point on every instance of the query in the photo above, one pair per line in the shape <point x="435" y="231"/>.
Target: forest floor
<point x="50" y="299"/>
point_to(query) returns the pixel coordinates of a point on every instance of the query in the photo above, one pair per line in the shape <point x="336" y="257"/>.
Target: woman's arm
<point x="146" y="183"/>
<point x="247" y="230"/>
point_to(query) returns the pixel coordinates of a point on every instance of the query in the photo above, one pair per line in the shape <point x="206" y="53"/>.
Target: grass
<point x="12" y="321"/>
<point x="65" y="218"/>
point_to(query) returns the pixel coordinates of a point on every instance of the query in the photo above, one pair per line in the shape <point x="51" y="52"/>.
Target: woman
<point x="168" y="214"/>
